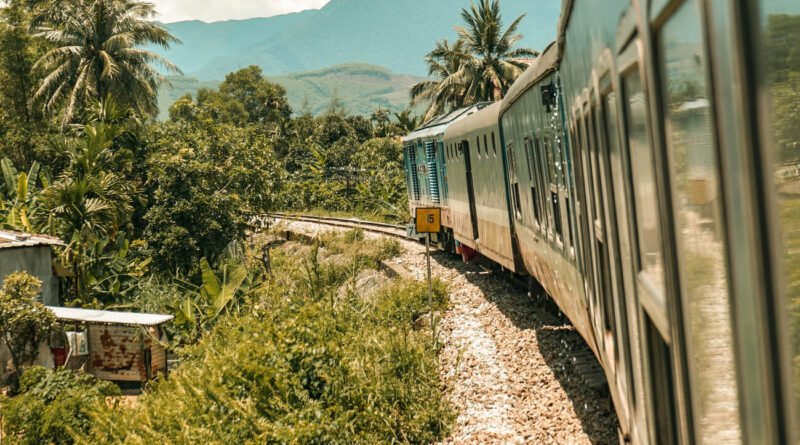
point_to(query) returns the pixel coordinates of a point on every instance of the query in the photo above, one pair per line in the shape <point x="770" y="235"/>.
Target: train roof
<point x="485" y="118"/>
<point x="545" y="64"/>
<point x="439" y="124"/>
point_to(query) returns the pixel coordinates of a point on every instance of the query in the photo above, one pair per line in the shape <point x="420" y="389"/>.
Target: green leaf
<point x="229" y="289"/>
<point x="9" y="174"/>
<point x="211" y="286"/>
<point x="22" y="187"/>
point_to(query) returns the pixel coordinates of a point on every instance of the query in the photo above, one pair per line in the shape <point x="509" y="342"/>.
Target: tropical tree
<point x="480" y="66"/>
<point x="98" y="51"/>
<point x="446" y="91"/>
<point x="407" y="121"/>
<point x="24" y="322"/>
<point x="90" y="205"/>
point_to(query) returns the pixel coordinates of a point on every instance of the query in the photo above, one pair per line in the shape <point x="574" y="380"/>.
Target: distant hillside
<point x="395" y="34"/>
<point x="360" y="87"/>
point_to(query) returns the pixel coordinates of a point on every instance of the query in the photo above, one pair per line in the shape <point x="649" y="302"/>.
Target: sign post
<point x="429" y="220"/>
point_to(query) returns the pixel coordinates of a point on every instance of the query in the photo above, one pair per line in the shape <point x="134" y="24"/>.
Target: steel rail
<point x="394" y="230"/>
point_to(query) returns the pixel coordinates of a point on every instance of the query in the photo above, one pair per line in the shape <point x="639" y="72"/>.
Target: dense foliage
<point x="160" y="216"/>
<point x="312" y="361"/>
<point x="24" y="322"/>
<point x="52" y="406"/>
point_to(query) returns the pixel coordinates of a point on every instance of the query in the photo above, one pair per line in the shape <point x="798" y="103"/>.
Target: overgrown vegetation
<point x="53" y="406"/>
<point x="309" y="362"/>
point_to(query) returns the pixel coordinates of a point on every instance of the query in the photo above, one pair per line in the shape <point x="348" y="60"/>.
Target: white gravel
<point x="508" y="361"/>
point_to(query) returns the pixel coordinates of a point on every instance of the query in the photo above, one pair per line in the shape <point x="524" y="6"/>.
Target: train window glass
<point x="556" y="214"/>
<point x="494" y="145"/>
<point x="780" y="38"/>
<point x="512" y="173"/>
<point x="699" y="229"/>
<point x="651" y="259"/>
<point x="569" y="221"/>
<point x="528" y="155"/>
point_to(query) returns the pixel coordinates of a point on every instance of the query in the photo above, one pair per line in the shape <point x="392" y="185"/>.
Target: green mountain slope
<point x="360" y="88"/>
<point x="395" y="34"/>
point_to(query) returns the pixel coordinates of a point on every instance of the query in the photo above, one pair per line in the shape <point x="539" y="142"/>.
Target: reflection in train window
<point x="780" y="25"/>
<point x="645" y="199"/>
<point x="699" y="228"/>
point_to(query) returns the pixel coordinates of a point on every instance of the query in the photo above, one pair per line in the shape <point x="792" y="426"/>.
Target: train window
<point x="651" y="258"/>
<point x="512" y="173"/>
<point x="494" y="145"/>
<point x="528" y="156"/>
<point x="780" y="28"/>
<point x="556" y="214"/>
<point x="699" y="227"/>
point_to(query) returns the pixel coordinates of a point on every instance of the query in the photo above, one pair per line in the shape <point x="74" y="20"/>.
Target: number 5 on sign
<point x="429" y="220"/>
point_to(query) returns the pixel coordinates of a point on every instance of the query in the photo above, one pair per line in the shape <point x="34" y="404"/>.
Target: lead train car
<point x="655" y="196"/>
<point x="427" y="179"/>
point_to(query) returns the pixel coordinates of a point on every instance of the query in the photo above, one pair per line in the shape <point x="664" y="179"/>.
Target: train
<point x="645" y="171"/>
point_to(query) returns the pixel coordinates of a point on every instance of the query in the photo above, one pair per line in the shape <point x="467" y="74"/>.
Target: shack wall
<point x="35" y="260"/>
<point x="117" y="353"/>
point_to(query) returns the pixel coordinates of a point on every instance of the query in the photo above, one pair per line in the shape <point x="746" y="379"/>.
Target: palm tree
<point x="98" y="51"/>
<point x="443" y="93"/>
<point x="481" y="66"/>
<point x="89" y="204"/>
<point x="407" y="121"/>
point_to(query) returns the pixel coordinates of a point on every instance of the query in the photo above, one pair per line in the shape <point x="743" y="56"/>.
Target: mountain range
<point x="359" y="88"/>
<point x="395" y="34"/>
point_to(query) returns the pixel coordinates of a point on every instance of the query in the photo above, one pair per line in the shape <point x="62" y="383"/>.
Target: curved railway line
<point x="397" y="231"/>
<point x="511" y="362"/>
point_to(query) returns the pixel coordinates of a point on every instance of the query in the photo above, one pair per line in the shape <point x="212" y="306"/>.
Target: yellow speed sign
<point x="429" y="220"/>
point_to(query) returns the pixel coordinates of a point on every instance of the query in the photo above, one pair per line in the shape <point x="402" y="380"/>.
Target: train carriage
<point x="648" y="171"/>
<point x="479" y="203"/>
<point x="427" y="177"/>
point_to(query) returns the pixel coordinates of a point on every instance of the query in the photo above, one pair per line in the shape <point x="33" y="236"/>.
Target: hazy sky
<point x="216" y="10"/>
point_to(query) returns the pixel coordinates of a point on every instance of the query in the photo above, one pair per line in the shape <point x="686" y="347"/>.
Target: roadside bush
<point x="300" y="367"/>
<point x="52" y="406"/>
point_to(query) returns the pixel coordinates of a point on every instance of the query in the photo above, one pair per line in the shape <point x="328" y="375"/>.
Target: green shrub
<point x="300" y="367"/>
<point x="52" y="406"/>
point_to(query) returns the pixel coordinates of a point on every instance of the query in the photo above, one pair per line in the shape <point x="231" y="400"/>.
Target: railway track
<point x="397" y="231"/>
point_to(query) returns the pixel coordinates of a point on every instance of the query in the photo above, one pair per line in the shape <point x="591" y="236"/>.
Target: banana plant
<point x="215" y="296"/>
<point x="20" y="195"/>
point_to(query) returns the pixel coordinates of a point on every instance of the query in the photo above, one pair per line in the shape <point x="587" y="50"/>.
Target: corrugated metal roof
<point x="109" y="317"/>
<point x="9" y="239"/>
<point x="438" y="124"/>
<point x="486" y="118"/>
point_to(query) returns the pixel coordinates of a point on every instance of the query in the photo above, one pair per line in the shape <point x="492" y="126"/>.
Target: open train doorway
<point x="473" y="211"/>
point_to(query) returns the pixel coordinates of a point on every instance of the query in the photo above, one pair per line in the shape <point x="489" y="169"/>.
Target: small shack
<point x="116" y="346"/>
<point x="24" y="252"/>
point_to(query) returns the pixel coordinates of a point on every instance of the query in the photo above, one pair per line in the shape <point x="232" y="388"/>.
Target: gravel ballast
<point x="509" y="362"/>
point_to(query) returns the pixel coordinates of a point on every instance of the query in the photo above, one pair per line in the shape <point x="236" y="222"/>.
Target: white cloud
<point x="216" y="10"/>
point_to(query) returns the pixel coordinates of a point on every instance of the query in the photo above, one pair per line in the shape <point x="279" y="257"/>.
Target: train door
<point x="593" y="266"/>
<point x="616" y="192"/>
<point x="473" y="211"/>
<point x="442" y="164"/>
<point x="603" y="286"/>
